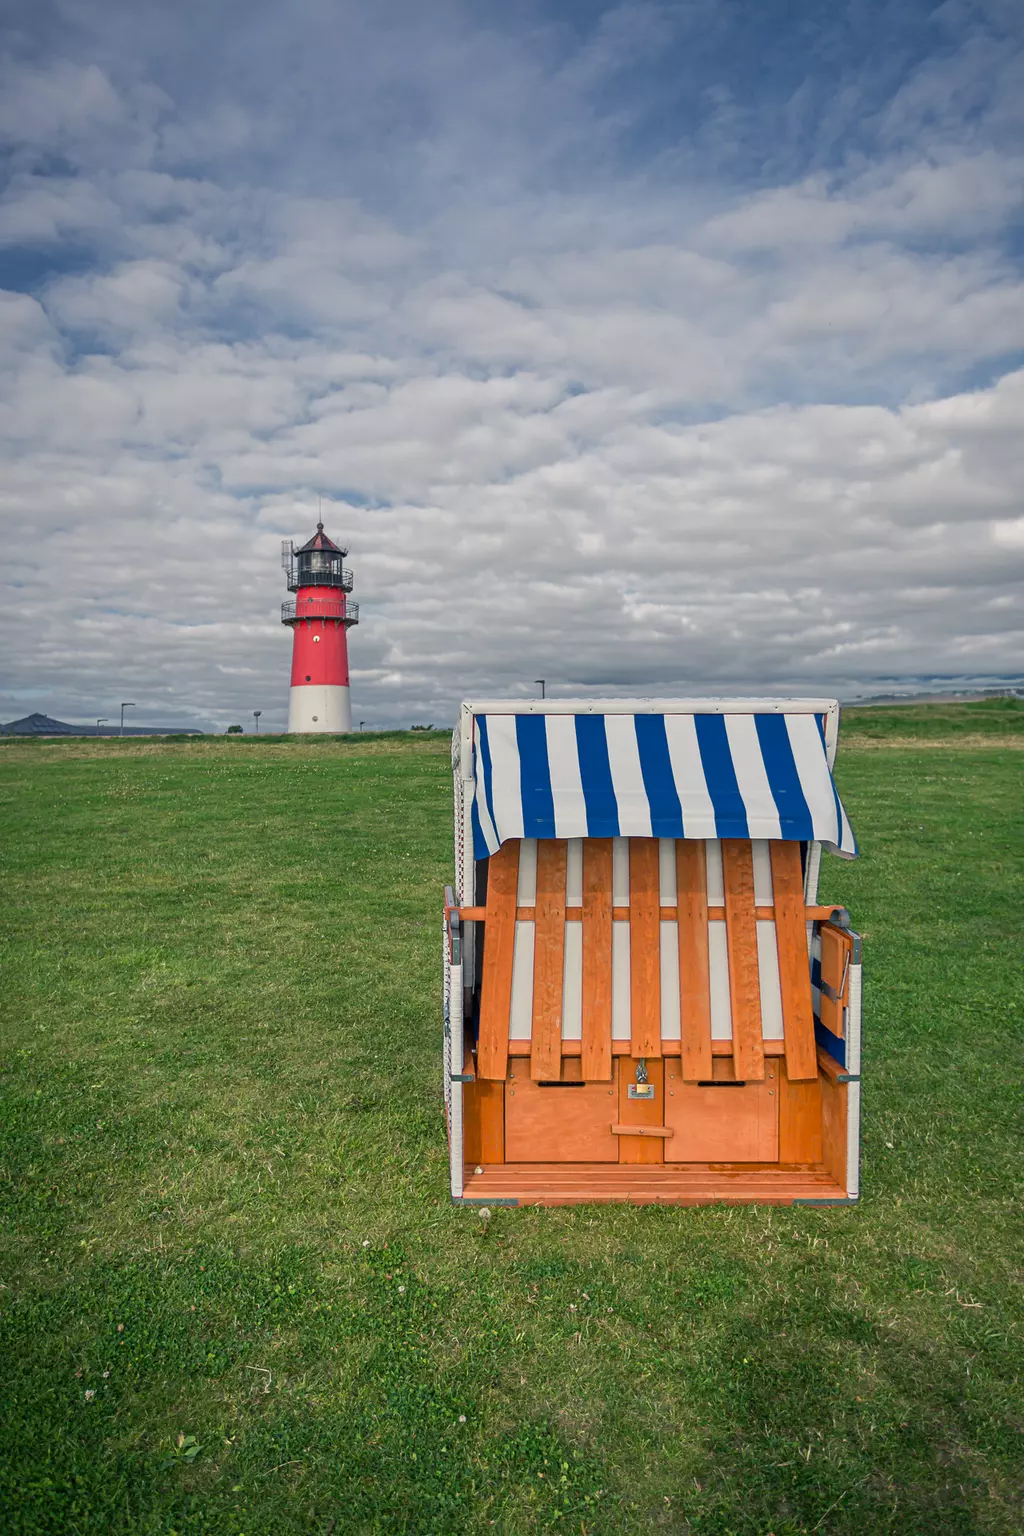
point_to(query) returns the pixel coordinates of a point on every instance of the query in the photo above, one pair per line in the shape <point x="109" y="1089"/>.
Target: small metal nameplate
<point x="641" y="1091"/>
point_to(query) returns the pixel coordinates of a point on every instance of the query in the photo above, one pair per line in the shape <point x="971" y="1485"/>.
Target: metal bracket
<point x="463" y="1077"/>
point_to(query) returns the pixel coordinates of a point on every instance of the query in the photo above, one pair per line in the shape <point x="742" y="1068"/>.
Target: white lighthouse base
<point x="319" y="707"/>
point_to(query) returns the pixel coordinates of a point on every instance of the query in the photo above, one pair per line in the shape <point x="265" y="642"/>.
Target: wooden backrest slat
<point x="548" y="961"/>
<point x="597" y="959"/>
<point x="694" y="970"/>
<point x="645" y="946"/>
<point x="744" y="975"/>
<point x="499" y="949"/>
<point x="794" y="971"/>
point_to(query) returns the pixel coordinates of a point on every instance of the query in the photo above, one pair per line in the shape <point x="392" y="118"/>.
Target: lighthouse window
<point x="316" y="639"/>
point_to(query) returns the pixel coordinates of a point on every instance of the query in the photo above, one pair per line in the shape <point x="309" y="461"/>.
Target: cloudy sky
<point x="665" y="346"/>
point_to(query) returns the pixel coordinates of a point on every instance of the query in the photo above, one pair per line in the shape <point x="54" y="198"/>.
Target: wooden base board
<point x="650" y="1184"/>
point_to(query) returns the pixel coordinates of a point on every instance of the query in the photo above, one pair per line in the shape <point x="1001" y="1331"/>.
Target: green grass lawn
<point x="236" y="1298"/>
<point x="952" y="724"/>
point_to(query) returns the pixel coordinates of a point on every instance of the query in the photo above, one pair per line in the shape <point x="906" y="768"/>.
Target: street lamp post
<point x="123" y="708"/>
<point x="103" y="720"/>
<point x="256" y="716"/>
<point x="543" y="687"/>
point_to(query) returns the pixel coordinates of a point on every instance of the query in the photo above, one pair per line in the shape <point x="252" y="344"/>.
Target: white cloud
<point x="955" y="197"/>
<point x="1008" y="533"/>
<point x="136" y="297"/>
<point x="55" y="105"/>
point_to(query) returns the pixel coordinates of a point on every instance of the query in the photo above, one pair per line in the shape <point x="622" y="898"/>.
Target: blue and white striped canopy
<point x="699" y="775"/>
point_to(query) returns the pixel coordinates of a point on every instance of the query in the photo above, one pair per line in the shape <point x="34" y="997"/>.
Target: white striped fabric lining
<point x="566" y="783"/>
<point x="752" y="776"/>
<point x="627" y="776"/>
<point x="688" y="774"/>
<point x="521" y="1013"/>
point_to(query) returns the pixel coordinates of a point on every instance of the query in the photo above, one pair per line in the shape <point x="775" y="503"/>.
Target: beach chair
<point x="643" y="999"/>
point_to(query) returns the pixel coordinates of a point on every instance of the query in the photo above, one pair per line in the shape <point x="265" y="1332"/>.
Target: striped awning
<point x="696" y="775"/>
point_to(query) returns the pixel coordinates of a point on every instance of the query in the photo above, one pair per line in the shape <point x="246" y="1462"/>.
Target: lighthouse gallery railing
<point x="293" y="612"/>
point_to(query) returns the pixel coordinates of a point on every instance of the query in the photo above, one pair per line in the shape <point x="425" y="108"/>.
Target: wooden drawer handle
<point x="643" y="1130"/>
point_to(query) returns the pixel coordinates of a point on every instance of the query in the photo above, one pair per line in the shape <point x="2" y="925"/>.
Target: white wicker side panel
<point x="453" y="1045"/>
<point x="853" y="1054"/>
<point x="464" y="787"/>
<point x="853" y="1020"/>
<point x="458" y="797"/>
<point x="446" y="1010"/>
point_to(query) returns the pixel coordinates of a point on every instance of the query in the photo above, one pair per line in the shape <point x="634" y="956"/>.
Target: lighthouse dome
<point x="319" y="563"/>
<point x="321" y="540"/>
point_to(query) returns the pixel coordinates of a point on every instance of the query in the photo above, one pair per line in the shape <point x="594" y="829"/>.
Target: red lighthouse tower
<point x="319" y="616"/>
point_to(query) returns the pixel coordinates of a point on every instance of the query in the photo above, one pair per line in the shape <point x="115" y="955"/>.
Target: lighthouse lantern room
<point x="319" y="616"/>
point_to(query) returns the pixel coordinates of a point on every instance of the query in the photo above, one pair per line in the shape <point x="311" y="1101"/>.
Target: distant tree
<point x="234" y="730"/>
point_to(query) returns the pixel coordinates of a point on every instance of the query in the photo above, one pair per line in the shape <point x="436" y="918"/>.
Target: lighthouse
<point x="319" y="616"/>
